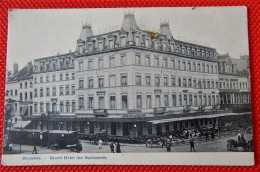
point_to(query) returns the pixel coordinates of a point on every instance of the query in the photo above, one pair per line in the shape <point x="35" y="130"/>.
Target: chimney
<point x="86" y="31"/>
<point x="165" y="29"/>
<point x="29" y="67"/>
<point x="15" y="68"/>
<point x="129" y="22"/>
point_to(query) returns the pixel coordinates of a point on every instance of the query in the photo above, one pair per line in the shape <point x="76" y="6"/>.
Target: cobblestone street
<point x="217" y="145"/>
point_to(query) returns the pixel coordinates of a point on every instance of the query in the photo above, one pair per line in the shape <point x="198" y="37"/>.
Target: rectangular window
<point x="138" y="101"/>
<point x="209" y="100"/>
<point x="90" y="64"/>
<point x="90" y="83"/>
<point x="41" y="79"/>
<point x="123" y="80"/>
<point x="137" y="59"/>
<point x="194" y="66"/>
<point x="147" y="60"/>
<point x="173" y="81"/>
<point x="61" y="106"/>
<point x="61" y="77"/>
<point x="156" y="61"/>
<point x="35" y="107"/>
<point x="73" y="76"/>
<point x="148" y="80"/>
<point x="198" y="67"/>
<point x="54" y="77"/>
<point x="180" y="99"/>
<point x="179" y="64"/>
<point x="123" y="59"/>
<point x="48" y="109"/>
<point x="67" y="106"/>
<point x="189" y="66"/>
<point x="195" y="100"/>
<point x="81" y="84"/>
<point x="189" y="82"/>
<point x="124" y="102"/>
<point x="47" y="79"/>
<point x="166" y="100"/>
<point x="148" y="101"/>
<point x="165" y="81"/>
<point x="172" y="63"/>
<point x="41" y="92"/>
<point x="194" y="83"/>
<point x="112" y="102"/>
<point x="138" y="80"/>
<point x="174" y="100"/>
<point x="183" y="65"/>
<point x="190" y="99"/>
<point x="16" y="92"/>
<point x="100" y="63"/>
<point x="100" y="82"/>
<point x="72" y="89"/>
<point x="208" y="84"/>
<point x="35" y="80"/>
<point x="41" y="107"/>
<point x="53" y="91"/>
<point x="112" y="61"/>
<point x="157" y="81"/>
<point x="35" y="92"/>
<point x="25" y="96"/>
<point x="179" y="82"/>
<point x="67" y="89"/>
<point x="61" y="90"/>
<point x="67" y="76"/>
<point x="73" y="107"/>
<point x="47" y="92"/>
<point x="165" y="64"/>
<point x="90" y="102"/>
<point x="81" y="103"/>
<point x="184" y="82"/>
<point x="112" y="81"/>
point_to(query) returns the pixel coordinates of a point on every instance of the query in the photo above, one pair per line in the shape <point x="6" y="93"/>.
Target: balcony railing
<point x="160" y="110"/>
<point x="100" y="112"/>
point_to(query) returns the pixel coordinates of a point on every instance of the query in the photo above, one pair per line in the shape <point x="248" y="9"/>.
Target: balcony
<point x="187" y="109"/>
<point x="53" y="113"/>
<point x="100" y="112"/>
<point x="159" y="110"/>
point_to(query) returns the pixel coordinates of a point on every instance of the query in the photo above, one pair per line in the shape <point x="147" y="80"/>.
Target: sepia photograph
<point x="111" y="82"/>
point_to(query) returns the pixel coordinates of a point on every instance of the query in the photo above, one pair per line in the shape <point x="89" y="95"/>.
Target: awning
<point x="21" y="124"/>
<point x="197" y="117"/>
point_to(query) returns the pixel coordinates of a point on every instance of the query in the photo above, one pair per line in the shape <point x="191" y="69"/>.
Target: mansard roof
<point x="24" y="74"/>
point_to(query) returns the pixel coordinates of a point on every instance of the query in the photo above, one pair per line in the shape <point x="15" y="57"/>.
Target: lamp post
<point x="21" y="137"/>
<point x="135" y="130"/>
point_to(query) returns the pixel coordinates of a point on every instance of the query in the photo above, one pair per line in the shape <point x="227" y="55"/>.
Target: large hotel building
<point x="135" y="82"/>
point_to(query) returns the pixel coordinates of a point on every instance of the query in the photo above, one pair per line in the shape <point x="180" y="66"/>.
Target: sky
<point x="37" y="33"/>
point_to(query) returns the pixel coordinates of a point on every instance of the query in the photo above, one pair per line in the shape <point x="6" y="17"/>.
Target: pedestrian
<point x="212" y="135"/>
<point x="192" y="145"/>
<point x="100" y="142"/>
<point x="34" y="150"/>
<point x="118" y="149"/>
<point x="112" y="147"/>
<point x="168" y="147"/>
<point x="10" y="146"/>
<point x="207" y="135"/>
<point x="78" y="147"/>
<point x="239" y="136"/>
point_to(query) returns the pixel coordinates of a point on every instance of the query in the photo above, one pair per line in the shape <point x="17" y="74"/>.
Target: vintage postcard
<point x="128" y="86"/>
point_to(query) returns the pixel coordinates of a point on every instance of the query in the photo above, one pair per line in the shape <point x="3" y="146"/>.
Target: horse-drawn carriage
<point x="233" y="145"/>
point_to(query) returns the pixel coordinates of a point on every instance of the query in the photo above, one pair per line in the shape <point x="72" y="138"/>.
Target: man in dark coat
<point x="112" y="147"/>
<point x="34" y="150"/>
<point x="192" y="145"/>
<point x="118" y="149"/>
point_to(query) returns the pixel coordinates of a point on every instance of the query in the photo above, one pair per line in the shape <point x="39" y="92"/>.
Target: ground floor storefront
<point x="133" y="128"/>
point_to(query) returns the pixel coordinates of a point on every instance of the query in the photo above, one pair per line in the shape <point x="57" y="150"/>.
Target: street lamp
<point x="135" y="130"/>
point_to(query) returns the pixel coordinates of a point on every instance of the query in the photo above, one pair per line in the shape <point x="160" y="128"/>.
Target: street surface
<point x="217" y="145"/>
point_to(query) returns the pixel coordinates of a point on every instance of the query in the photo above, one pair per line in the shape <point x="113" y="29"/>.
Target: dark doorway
<point x="140" y="129"/>
<point x="113" y="128"/>
<point x="159" y="129"/>
<point x="91" y="128"/>
<point x="125" y="129"/>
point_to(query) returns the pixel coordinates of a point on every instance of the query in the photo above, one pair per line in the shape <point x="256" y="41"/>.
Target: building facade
<point x="19" y="93"/>
<point x="54" y="89"/>
<point x="130" y="73"/>
<point x="133" y="82"/>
